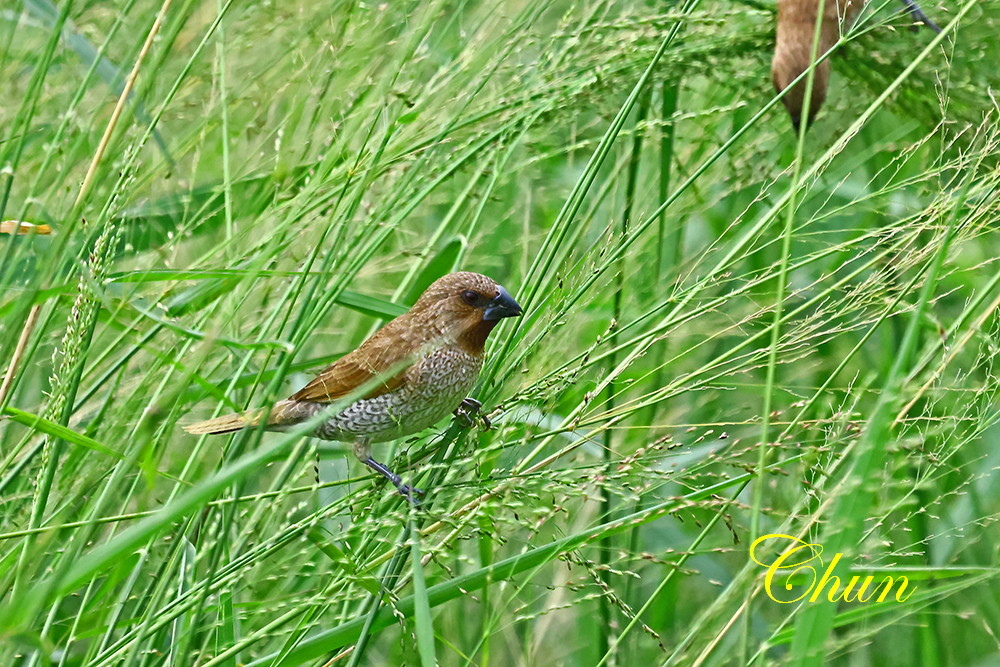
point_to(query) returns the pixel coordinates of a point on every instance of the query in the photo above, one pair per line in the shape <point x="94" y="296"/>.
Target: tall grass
<point x="730" y="331"/>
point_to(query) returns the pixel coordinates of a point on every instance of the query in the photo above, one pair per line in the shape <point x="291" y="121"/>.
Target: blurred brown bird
<point x="413" y="372"/>
<point x="794" y="47"/>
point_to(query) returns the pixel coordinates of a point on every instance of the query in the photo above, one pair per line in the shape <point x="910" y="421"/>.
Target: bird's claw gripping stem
<point x="467" y="411"/>
<point x="918" y="16"/>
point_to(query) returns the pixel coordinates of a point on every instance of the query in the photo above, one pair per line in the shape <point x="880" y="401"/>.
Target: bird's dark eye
<point x="470" y="297"/>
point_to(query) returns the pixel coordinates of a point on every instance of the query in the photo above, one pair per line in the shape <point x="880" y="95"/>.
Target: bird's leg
<point x="918" y="15"/>
<point x="316" y="465"/>
<point x="363" y="451"/>
<point x="469" y="408"/>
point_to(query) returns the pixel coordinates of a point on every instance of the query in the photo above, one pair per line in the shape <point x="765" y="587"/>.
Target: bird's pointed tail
<point x="226" y="423"/>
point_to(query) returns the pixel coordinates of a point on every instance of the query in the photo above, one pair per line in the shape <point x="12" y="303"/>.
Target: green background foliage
<point x="698" y="280"/>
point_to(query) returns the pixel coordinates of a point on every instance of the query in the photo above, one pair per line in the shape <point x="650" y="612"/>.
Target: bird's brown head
<point x="465" y="307"/>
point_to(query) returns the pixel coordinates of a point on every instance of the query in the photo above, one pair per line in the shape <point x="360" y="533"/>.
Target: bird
<point x="407" y="376"/>
<point x="794" y="47"/>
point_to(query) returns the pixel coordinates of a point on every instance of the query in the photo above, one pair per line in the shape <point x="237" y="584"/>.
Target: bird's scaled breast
<point x="432" y="389"/>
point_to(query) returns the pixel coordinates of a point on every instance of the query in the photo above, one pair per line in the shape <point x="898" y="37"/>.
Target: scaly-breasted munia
<point x="794" y="46"/>
<point x="414" y="371"/>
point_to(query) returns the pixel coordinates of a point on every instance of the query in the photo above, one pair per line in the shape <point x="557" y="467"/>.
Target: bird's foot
<point x="467" y="411"/>
<point x="918" y="16"/>
<point x="410" y="493"/>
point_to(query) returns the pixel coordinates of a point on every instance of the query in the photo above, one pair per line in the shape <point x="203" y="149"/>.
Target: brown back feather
<point x="388" y="353"/>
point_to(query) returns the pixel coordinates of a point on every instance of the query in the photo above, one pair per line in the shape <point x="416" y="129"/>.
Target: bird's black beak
<point x="501" y="306"/>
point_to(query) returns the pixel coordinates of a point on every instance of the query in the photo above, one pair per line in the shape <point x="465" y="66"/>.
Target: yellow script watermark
<point x="801" y="562"/>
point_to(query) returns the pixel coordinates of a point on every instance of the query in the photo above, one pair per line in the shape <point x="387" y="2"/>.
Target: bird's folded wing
<point x="383" y="356"/>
